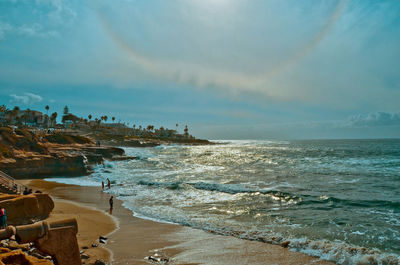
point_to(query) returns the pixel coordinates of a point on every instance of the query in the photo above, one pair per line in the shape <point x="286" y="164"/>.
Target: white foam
<point x="80" y="181"/>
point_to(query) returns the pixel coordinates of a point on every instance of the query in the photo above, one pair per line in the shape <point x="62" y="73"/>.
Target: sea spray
<point x="335" y="199"/>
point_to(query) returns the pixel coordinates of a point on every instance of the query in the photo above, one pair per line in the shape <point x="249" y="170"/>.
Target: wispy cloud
<point x="26" y="98"/>
<point x="4" y="29"/>
<point x="199" y="75"/>
<point x="374" y="119"/>
<point x="26" y="30"/>
<point x="44" y="20"/>
<point x="35" y="30"/>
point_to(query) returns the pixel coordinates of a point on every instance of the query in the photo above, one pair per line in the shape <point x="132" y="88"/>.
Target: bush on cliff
<point x="4" y="151"/>
<point x="30" y="145"/>
<point x="59" y="138"/>
<point x="7" y="136"/>
<point x="21" y="139"/>
<point x="25" y="133"/>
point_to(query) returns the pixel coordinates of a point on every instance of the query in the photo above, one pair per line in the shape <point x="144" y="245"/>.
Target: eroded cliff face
<point x="28" y="154"/>
<point x="62" y="161"/>
<point x="26" y="209"/>
<point x="8" y="256"/>
<point x="45" y="165"/>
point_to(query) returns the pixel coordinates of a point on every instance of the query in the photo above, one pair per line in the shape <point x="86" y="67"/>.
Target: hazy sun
<point x="213" y="3"/>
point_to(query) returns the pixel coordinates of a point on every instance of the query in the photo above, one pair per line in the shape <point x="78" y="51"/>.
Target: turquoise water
<point x="337" y="199"/>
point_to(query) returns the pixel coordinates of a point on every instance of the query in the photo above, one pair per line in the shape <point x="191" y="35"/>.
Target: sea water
<point x="336" y="199"/>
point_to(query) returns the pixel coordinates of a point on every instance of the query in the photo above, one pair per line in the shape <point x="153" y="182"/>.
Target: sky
<point x="229" y="69"/>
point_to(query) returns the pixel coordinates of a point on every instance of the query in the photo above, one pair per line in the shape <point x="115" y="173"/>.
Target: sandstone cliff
<point x="26" y="209"/>
<point x="71" y="160"/>
<point x="25" y="154"/>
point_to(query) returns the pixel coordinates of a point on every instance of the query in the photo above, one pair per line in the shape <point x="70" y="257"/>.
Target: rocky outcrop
<point x="8" y="256"/>
<point x="45" y="165"/>
<point x="62" y="161"/>
<point x="134" y="143"/>
<point x="106" y="152"/>
<point x="123" y="158"/>
<point x="26" y="209"/>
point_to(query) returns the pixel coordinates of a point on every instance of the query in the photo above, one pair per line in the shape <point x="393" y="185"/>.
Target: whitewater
<point x="335" y="199"/>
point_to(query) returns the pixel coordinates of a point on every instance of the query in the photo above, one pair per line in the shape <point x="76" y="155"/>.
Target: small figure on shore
<point x="102" y="185"/>
<point x="3" y="218"/>
<point x="108" y="183"/>
<point x="26" y="191"/>
<point x="111" y="201"/>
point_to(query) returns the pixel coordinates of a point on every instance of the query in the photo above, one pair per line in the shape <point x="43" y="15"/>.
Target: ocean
<point x="336" y="199"/>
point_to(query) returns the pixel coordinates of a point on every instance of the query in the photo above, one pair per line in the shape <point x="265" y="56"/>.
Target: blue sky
<point x="229" y="69"/>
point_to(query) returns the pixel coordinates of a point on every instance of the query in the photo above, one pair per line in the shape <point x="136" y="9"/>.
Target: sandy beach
<point x="132" y="240"/>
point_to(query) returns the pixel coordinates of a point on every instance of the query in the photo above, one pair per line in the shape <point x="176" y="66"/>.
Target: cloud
<point x="236" y="82"/>
<point x="26" y="98"/>
<point x="4" y="28"/>
<point x="39" y="18"/>
<point x="28" y="30"/>
<point x="374" y="119"/>
<point x="35" y="30"/>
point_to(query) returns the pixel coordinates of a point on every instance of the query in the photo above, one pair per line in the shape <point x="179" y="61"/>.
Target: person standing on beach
<point x="108" y="183"/>
<point x="111" y="201"/>
<point x="3" y="218"/>
<point x="102" y="185"/>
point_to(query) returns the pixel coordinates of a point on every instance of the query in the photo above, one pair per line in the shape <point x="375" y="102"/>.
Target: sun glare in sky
<point x="321" y="68"/>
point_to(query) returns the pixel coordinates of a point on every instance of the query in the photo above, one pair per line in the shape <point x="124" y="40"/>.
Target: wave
<point x="337" y="202"/>
<point x="334" y="251"/>
<point x="300" y="199"/>
<point x="168" y="185"/>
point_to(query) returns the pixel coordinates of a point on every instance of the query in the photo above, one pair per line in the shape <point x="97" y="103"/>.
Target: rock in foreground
<point x="26" y="209"/>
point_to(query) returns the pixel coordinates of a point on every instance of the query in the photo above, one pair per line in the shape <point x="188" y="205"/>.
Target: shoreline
<point x="134" y="240"/>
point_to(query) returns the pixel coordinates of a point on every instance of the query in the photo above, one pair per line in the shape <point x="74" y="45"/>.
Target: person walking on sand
<point x="3" y="218"/>
<point x="111" y="201"/>
<point x="102" y="185"/>
<point x="108" y="183"/>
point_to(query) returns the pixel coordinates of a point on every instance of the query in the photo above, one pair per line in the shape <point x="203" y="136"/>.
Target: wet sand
<point x="132" y="239"/>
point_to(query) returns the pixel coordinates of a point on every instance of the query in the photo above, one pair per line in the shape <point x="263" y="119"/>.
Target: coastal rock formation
<point x="18" y="257"/>
<point x="25" y="209"/>
<point x="45" y="165"/>
<point x="62" y="161"/>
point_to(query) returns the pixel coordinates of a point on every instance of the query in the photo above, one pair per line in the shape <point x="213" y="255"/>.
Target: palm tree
<point x="27" y="115"/>
<point x="53" y="118"/>
<point x="3" y="108"/>
<point x="177" y="127"/>
<point x="47" y="109"/>
<point x="113" y="119"/>
<point x="15" y="113"/>
<point x="90" y="117"/>
<point x="105" y="118"/>
<point x="186" y="130"/>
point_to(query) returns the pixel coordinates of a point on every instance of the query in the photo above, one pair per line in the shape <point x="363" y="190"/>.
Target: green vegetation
<point x="60" y="138"/>
<point x="20" y="140"/>
<point x="95" y="127"/>
<point x="5" y="151"/>
<point x="26" y="140"/>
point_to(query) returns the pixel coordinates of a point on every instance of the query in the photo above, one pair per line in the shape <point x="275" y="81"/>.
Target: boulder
<point x="19" y="257"/>
<point x="46" y="165"/>
<point x="26" y="209"/>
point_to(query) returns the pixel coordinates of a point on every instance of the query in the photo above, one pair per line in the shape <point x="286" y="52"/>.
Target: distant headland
<point x="33" y="144"/>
